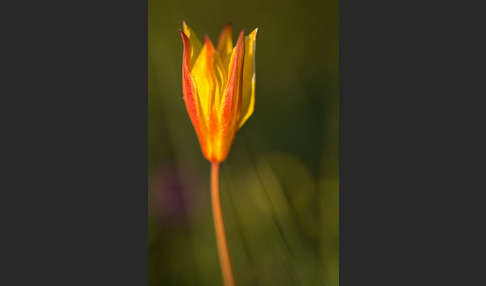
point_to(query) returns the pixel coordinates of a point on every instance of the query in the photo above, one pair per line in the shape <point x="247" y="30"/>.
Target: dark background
<point x="280" y="182"/>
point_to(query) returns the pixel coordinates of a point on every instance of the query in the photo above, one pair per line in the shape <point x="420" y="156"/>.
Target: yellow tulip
<point x="219" y="87"/>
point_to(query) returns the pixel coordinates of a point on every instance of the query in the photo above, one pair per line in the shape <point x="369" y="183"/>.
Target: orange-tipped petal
<point x="225" y="44"/>
<point x="230" y="113"/>
<point x="196" y="43"/>
<point x="190" y="93"/>
<point x="248" y="93"/>
<point x="186" y="55"/>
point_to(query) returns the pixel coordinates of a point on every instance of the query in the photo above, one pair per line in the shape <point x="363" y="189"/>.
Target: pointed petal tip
<point x="187" y="30"/>
<point x="225" y="37"/>
<point x="241" y="37"/>
<point x="183" y="35"/>
<point x="208" y="42"/>
<point x="184" y="26"/>
<point x="254" y="33"/>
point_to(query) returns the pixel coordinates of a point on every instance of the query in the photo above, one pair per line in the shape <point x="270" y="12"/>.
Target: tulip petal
<point x="248" y="93"/>
<point x="191" y="98"/>
<point x="195" y="42"/>
<point x="231" y="104"/>
<point x="209" y="76"/>
<point x="220" y="78"/>
<point x="202" y="72"/>
<point x="225" y="45"/>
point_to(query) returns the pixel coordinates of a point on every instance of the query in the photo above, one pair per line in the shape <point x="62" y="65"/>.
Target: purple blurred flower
<point x="172" y="194"/>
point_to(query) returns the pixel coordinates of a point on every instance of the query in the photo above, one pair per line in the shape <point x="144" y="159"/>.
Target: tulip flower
<point x="219" y="87"/>
<point x="219" y="92"/>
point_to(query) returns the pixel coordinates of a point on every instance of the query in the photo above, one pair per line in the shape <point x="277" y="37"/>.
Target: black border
<point x="75" y="193"/>
<point x="409" y="121"/>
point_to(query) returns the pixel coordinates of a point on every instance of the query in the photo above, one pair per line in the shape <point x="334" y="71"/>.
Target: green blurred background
<point x="279" y="185"/>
